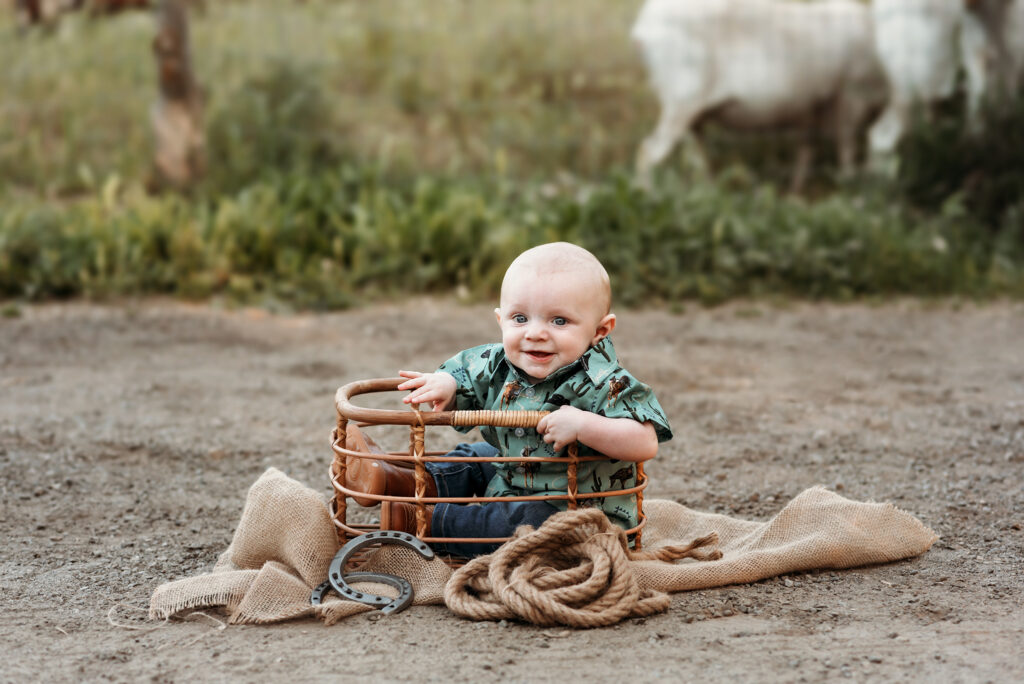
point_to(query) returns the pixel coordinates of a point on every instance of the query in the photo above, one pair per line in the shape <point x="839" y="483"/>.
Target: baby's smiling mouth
<point x="540" y="355"/>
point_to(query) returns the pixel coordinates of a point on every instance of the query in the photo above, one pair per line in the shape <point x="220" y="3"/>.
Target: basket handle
<point x="347" y="410"/>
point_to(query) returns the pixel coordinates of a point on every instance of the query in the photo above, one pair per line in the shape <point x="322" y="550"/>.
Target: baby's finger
<point x="421" y="395"/>
<point x="414" y="379"/>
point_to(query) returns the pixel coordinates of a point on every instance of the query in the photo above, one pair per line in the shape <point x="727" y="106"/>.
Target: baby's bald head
<point x="562" y="260"/>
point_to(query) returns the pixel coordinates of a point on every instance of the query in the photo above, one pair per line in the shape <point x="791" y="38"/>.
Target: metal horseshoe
<point x="338" y="579"/>
<point x="405" y="593"/>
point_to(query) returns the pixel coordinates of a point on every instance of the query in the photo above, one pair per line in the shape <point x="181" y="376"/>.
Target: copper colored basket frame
<point x="417" y="456"/>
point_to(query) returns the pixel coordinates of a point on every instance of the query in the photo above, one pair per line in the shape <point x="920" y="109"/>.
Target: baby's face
<point x="549" y="321"/>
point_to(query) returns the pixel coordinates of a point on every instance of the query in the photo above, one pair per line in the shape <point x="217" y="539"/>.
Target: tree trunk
<point x="177" y="116"/>
<point x="32" y="10"/>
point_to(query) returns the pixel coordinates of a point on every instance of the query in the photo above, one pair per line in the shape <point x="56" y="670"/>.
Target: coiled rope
<point x="574" y="570"/>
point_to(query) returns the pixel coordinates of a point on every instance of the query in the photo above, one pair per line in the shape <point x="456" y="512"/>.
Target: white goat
<point x="758" y="64"/>
<point x="923" y="44"/>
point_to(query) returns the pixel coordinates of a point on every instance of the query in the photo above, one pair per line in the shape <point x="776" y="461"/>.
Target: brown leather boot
<point x="374" y="476"/>
<point x="396" y="515"/>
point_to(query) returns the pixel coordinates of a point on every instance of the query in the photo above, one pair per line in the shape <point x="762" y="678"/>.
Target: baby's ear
<point x="604" y="328"/>
<point x="497" y="314"/>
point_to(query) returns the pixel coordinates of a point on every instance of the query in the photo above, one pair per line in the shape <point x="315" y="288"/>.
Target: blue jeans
<point x="495" y="519"/>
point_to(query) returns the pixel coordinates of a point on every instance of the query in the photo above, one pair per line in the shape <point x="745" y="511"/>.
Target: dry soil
<point x="129" y="435"/>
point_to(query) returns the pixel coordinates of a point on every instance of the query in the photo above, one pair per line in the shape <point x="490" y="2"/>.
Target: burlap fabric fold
<point x="285" y="541"/>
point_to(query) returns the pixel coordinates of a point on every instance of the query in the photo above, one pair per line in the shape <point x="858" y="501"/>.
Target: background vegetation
<point x="361" y="149"/>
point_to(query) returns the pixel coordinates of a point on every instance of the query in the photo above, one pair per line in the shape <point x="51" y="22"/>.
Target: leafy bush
<point x="275" y="121"/>
<point x="943" y="158"/>
<point x="321" y="239"/>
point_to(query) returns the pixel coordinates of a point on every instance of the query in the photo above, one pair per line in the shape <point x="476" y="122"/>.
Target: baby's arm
<point x="437" y="388"/>
<point x="621" y="438"/>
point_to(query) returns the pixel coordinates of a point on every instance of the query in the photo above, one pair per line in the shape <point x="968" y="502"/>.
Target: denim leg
<point x="497" y="519"/>
<point x="464" y="479"/>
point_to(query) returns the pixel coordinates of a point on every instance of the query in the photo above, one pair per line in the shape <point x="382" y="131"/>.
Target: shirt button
<point x="529" y="392"/>
<point x="520" y="432"/>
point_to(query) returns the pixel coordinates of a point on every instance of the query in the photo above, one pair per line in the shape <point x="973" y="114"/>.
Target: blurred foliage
<point x="276" y="121"/>
<point x="445" y="86"/>
<point x="943" y="158"/>
<point x="361" y="149"/>
<point x="322" y="239"/>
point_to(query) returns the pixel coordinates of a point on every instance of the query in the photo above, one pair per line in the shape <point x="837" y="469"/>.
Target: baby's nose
<point x="536" y="330"/>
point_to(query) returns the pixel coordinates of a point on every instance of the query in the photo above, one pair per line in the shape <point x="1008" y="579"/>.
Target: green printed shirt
<point x="595" y="382"/>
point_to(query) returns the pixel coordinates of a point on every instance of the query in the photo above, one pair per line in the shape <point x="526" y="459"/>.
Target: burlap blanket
<point x="285" y="541"/>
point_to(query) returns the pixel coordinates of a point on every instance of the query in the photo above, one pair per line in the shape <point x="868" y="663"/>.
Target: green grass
<point x="375" y="149"/>
<point x="441" y="86"/>
<point x="320" y="240"/>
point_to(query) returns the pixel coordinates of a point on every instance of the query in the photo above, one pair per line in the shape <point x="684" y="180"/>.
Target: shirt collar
<point x="600" y="361"/>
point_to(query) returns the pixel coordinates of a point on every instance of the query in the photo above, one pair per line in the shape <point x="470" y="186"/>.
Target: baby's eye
<point x="519" y="318"/>
<point x="558" y="320"/>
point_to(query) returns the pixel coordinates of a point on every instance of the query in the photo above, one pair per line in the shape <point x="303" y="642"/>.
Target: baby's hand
<point x="563" y="427"/>
<point x="437" y="388"/>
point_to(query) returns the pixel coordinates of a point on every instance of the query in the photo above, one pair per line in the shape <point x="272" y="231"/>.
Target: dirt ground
<point x="129" y="435"/>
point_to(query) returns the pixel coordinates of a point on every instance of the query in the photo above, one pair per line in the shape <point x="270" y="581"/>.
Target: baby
<point x="555" y="355"/>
